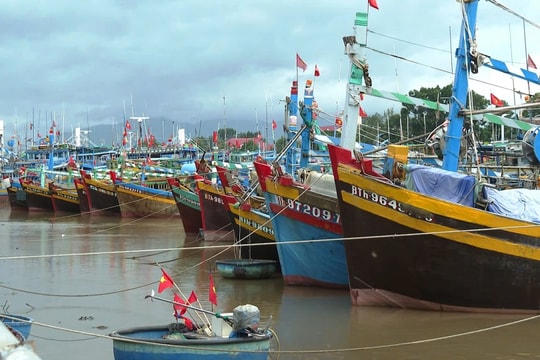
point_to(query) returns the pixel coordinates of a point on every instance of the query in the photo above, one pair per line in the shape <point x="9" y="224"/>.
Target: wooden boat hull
<point x="252" y="227"/>
<point x="188" y="206"/>
<point x="65" y="200"/>
<point x="17" y="197"/>
<point x="152" y="346"/>
<point x="82" y="193"/>
<point x="416" y="251"/>
<point x="216" y="222"/>
<point x="246" y="268"/>
<point x="299" y="214"/>
<point x="37" y="197"/>
<point x="103" y="197"/>
<point x="138" y="201"/>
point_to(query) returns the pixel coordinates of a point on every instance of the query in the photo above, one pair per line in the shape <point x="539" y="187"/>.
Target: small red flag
<point x="192" y="298"/>
<point x="496" y="101"/>
<point x="179" y="310"/>
<point x="212" y="296"/>
<point x="165" y="282"/>
<point x="373" y="4"/>
<point x="339" y="122"/>
<point x="530" y="62"/>
<point x="274" y="125"/>
<point x="361" y="112"/>
<point x="215" y="137"/>
<point x="317" y="72"/>
<point x="128" y="125"/>
<point x="189" y="323"/>
<point x="300" y="63"/>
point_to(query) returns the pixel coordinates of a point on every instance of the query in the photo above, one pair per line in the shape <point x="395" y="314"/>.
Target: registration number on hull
<point x="308" y="209"/>
<point x="391" y="203"/>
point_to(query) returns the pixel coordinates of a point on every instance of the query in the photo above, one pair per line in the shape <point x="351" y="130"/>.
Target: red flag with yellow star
<point x="212" y="296"/>
<point x="165" y="282"/>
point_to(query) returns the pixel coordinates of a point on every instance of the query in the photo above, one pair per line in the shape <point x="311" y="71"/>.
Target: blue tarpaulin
<point x="522" y="204"/>
<point x="442" y="184"/>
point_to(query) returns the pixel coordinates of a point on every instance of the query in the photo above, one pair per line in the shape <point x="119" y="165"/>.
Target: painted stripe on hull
<point x="37" y="198"/>
<point x="520" y="239"/>
<point x="187" y="198"/>
<point x="102" y="197"/>
<point x="214" y="214"/>
<point x="248" y="230"/>
<point x="65" y="203"/>
<point x="305" y="206"/>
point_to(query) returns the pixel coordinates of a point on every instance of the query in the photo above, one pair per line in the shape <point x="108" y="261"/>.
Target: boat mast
<point x="306" y="112"/>
<point x="291" y="126"/>
<point x="354" y="82"/>
<point x="467" y="61"/>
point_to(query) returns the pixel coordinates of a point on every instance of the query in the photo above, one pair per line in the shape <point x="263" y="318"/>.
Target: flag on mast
<point x="373" y="4"/>
<point x="496" y="101"/>
<point x="300" y="63"/>
<point x="165" y="282"/>
<point x="361" y="112"/>
<point x="530" y="62"/>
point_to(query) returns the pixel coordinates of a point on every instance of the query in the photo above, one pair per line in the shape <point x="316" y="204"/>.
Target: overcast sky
<point x="206" y="64"/>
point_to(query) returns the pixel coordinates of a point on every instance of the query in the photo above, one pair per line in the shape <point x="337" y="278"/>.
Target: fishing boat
<point x="146" y="199"/>
<point x="102" y="195"/>
<point x="38" y="196"/>
<point x="21" y="323"/>
<point x="216" y="225"/>
<point x="254" y="234"/>
<point x="187" y="202"/>
<point x="249" y="216"/>
<point x="437" y="239"/>
<point x="247" y="268"/>
<point x="82" y="194"/>
<point x="304" y="209"/>
<point x="16" y="194"/>
<point x="235" y="335"/>
<point x="159" y="342"/>
<point x="64" y="200"/>
<point x="301" y="212"/>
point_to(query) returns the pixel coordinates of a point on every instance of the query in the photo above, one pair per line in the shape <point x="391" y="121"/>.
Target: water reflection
<point x="82" y="277"/>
